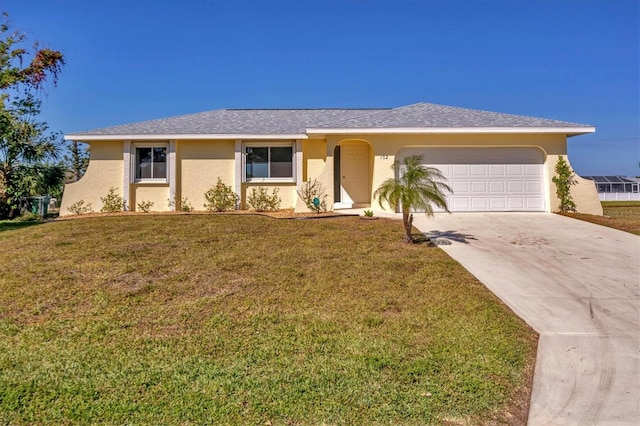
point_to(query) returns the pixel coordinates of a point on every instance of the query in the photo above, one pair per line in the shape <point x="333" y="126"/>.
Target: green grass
<point x="615" y="204"/>
<point x="621" y="215"/>
<point x="226" y="319"/>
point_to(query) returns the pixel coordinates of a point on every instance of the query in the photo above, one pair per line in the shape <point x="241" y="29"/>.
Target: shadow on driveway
<point x="444" y="238"/>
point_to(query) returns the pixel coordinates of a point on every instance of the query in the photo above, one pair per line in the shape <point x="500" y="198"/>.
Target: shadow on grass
<point x="10" y="225"/>
<point x="444" y="238"/>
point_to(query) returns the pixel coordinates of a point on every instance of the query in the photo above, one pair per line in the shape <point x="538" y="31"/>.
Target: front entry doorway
<point x="353" y="173"/>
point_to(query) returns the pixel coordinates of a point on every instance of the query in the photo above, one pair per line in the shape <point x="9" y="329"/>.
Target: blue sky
<point x="131" y="60"/>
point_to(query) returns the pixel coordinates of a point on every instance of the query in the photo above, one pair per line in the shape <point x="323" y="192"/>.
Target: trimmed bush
<point x="145" y="206"/>
<point x="261" y="201"/>
<point x="112" y="202"/>
<point x="221" y="198"/>
<point x="79" y="207"/>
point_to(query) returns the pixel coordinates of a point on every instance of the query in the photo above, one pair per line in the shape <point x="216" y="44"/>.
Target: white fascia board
<point x="183" y="137"/>
<point x="454" y="130"/>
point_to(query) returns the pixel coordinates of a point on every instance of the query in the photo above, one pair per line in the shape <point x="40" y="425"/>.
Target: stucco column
<point x="172" y="173"/>
<point x="126" y="179"/>
<point x="238" y="168"/>
<point x="299" y="162"/>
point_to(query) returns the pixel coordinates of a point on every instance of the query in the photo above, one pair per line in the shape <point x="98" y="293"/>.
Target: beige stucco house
<point x="493" y="161"/>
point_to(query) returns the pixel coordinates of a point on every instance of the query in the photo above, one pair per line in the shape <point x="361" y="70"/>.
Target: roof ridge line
<point x="303" y="109"/>
<point x="377" y="111"/>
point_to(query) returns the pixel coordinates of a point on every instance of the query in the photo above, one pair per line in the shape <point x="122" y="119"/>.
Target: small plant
<point x="563" y="180"/>
<point x="112" y="202"/>
<point x="221" y="198"/>
<point x="261" y="201"/>
<point x="368" y="213"/>
<point x="145" y="206"/>
<point x="185" y="205"/>
<point x="79" y="207"/>
<point x="312" y="193"/>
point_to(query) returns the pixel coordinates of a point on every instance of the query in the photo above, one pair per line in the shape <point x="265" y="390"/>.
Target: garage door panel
<point x="479" y="204"/>
<point x="515" y="203"/>
<point x="489" y="179"/>
<point x="533" y="170"/>
<point x="497" y="187"/>
<point x="515" y="186"/>
<point x="534" y="204"/>
<point x="478" y="170"/>
<point x="515" y="170"/>
<point x="458" y="204"/>
<point x="479" y="186"/>
<point x="497" y="203"/>
<point x="497" y="170"/>
<point x="459" y="187"/>
<point x="533" y="186"/>
<point x="459" y="170"/>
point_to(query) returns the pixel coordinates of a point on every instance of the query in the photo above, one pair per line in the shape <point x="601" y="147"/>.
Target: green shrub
<point x="564" y="179"/>
<point x="79" y="207"/>
<point x="261" y="201"/>
<point x="368" y="213"/>
<point x="145" y="206"/>
<point x="221" y="198"/>
<point x="312" y="193"/>
<point x="112" y="202"/>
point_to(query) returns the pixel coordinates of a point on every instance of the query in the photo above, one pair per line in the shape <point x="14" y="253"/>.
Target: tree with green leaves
<point x="28" y="153"/>
<point x="563" y="180"/>
<point x="76" y="160"/>
<point x="414" y="187"/>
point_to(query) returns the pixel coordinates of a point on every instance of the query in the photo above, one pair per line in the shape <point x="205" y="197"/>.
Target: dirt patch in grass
<point x="622" y="215"/>
<point x="241" y="319"/>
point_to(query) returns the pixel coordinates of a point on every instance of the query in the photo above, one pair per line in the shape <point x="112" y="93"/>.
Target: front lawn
<point x="622" y="215"/>
<point x="8" y="225"/>
<point x="227" y="319"/>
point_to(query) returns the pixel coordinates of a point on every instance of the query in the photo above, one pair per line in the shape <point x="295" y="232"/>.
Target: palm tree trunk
<point x="407" y="219"/>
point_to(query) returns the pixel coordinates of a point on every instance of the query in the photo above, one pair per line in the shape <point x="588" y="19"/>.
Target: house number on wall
<point x="384" y="157"/>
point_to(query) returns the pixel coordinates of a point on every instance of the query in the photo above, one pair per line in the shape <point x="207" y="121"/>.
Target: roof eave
<point x="569" y="131"/>
<point x="319" y="132"/>
<point x="164" y="137"/>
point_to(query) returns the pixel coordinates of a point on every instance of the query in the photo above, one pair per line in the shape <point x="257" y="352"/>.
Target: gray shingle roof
<point x="425" y="115"/>
<point x="297" y="121"/>
<point x="235" y="121"/>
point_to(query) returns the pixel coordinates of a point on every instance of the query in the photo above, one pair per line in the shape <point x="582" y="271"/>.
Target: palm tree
<point x="413" y="187"/>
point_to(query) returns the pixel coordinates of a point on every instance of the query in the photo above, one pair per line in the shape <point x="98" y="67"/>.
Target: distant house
<point x="616" y="188"/>
<point x="494" y="161"/>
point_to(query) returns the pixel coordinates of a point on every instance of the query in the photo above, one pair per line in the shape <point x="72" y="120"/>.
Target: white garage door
<point x="489" y="179"/>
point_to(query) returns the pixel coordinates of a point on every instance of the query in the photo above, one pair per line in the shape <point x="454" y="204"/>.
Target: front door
<point x="354" y="170"/>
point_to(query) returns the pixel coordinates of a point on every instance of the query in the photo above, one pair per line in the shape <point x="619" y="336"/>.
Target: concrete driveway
<point x="575" y="283"/>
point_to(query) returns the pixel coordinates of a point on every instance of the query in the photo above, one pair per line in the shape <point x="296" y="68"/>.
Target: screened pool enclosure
<point x="616" y="188"/>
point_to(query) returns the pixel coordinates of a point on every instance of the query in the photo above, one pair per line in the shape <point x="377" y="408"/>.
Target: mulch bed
<point x="278" y="214"/>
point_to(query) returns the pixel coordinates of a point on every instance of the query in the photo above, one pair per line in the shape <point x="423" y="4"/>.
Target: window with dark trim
<point x="268" y="162"/>
<point x="151" y="163"/>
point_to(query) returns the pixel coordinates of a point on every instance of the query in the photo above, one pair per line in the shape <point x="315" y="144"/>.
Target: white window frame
<point x="270" y="144"/>
<point x="134" y="161"/>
